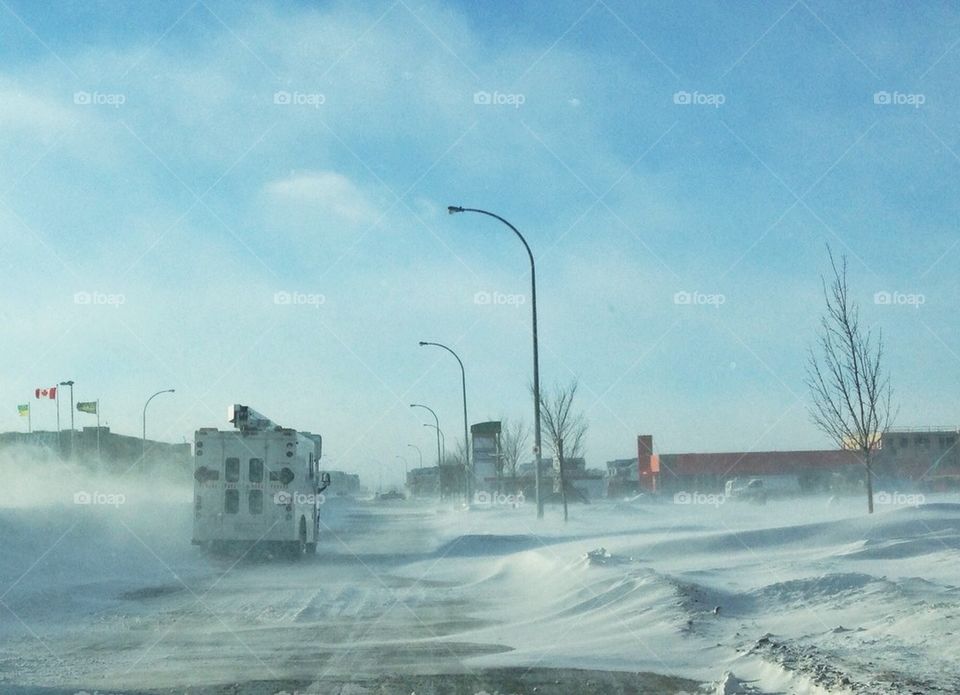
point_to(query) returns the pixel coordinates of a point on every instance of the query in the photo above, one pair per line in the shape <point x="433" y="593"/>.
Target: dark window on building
<point x="255" y="474"/>
<point x="232" y="473"/>
<point x="231" y="500"/>
<point x="274" y="477"/>
<point x="255" y="502"/>
<point x="904" y="442"/>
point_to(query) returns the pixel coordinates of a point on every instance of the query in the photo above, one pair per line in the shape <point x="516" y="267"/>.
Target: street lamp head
<point x="66" y="383"/>
<point x="451" y="209"/>
<point x="422" y="343"/>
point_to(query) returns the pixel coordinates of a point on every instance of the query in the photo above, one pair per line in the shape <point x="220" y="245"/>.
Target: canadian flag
<point x="50" y="393"/>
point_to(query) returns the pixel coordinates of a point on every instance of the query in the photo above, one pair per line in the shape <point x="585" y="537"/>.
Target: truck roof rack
<point x="246" y="419"/>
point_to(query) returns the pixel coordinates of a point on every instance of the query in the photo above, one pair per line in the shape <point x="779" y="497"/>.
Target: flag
<point x="87" y="407"/>
<point x="24" y="409"/>
<point x="50" y="393"/>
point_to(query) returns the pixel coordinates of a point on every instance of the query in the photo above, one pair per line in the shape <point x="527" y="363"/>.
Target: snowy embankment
<point x="792" y="597"/>
<point x="802" y="596"/>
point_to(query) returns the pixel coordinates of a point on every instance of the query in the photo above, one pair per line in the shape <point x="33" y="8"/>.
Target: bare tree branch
<point x="851" y="393"/>
<point x="560" y="422"/>
<point x="514" y="440"/>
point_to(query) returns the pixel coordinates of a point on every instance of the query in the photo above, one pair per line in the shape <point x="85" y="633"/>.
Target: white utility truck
<point x="257" y="485"/>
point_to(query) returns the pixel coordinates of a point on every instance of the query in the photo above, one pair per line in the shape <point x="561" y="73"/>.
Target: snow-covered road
<point x="802" y="597"/>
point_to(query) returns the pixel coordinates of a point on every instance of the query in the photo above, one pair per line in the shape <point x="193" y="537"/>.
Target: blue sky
<point x="152" y="164"/>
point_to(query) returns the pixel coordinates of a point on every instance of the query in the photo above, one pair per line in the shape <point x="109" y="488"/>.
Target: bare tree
<point x="851" y="392"/>
<point x="514" y="438"/>
<point x="455" y="457"/>
<point x="456" y="470"/>
<point x="564" y="427"/>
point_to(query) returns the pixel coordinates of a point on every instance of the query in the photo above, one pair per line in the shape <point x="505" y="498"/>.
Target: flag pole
<point x="29" y="418"/>
<point x="59" y="438"/>
<point x="99" y="460"/>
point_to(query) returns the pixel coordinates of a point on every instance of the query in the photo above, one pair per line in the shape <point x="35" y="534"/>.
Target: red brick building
<point x="708" y="472"/>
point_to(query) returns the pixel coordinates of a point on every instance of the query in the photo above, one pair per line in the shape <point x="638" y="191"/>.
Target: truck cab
<point x="258" y="484"/>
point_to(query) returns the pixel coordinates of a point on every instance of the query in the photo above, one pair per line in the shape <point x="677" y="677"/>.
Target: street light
<point x="418" y="405"/>
<point x="443" y="439"/>
<point x="143" y="448"/>
<point x="420" y="453"/>
<point x="466" y="435"/>
<point x="536" y="352"/>
<point x="70" y="384"/>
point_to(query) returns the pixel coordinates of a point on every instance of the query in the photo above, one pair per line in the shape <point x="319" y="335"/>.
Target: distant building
<point x="525" y="481"/>
<point x="341" y="483"/>
<point x="436" y="481"/>
<point x="486" y="455"/>
<point x="424" y="482"/>
<point x="574" y="465"/>
<point x="99" y="447"/>
<point x="623" y="478"/>
<point x="588" y="484"/>
<point x="583" y="484"/>
<point x="708" y="472"/>
<point x="926" y="456"/>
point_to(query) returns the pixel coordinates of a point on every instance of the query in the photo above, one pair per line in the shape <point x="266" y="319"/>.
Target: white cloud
<point x="332" y="194"/>
<point x="22" y="111"/>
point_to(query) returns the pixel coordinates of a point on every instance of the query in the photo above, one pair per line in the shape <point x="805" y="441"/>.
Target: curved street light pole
<point x="143" y="441"/>
<point x="452" y="209"/>
<point x="420" y="453"/>
<point x="466" y="433"/>
<point x="418" y="405"/>
<point x="443" y="438"/>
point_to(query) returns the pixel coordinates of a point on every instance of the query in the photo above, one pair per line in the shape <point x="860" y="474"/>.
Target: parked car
<point x="751" y="490"/>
